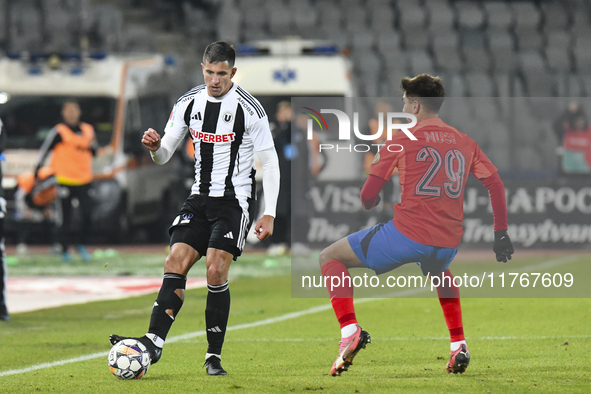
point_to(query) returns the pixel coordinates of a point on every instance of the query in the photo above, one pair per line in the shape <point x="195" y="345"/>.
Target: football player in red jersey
<point x="427" y="224"/>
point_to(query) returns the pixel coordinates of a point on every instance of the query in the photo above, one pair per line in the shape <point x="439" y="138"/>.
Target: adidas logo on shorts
<point x="229" y="235"/>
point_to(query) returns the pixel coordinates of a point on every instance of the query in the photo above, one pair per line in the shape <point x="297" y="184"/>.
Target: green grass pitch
<point x="517" y="345"/>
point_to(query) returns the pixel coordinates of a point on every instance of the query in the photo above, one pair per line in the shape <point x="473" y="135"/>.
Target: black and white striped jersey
<point x="226" y="132"/>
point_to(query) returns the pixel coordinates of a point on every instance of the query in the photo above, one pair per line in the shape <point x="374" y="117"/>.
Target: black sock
<point x="168" y="304"/>
<point x="216" y="316"/>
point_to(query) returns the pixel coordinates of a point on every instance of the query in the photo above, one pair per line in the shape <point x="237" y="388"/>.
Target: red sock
<point x="341" y="296"/>
<point x="449" y="298"/>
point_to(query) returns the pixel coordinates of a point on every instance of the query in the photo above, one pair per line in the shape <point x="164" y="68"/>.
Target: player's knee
<point x="174" y="265"/>
<point x="216" y="274"/>
<point x="325" y="256"/>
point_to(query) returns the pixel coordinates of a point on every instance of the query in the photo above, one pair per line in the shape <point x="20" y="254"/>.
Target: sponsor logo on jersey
<point x="246" y="106"/>
<point x="212" y="138"/>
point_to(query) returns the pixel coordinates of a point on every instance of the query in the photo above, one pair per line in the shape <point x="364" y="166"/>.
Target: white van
<point x="277" y="70"/>
<point x="119" y="96"/>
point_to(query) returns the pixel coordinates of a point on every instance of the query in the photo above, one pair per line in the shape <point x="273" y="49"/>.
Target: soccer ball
<point x="129" y="359"/>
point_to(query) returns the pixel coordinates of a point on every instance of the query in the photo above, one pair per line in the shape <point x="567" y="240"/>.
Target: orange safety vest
<point x="72" y="158"/>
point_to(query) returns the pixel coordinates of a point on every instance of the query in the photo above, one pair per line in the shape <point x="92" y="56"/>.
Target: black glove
<point x="378" y="199"/>
<point x="502" y="246"/>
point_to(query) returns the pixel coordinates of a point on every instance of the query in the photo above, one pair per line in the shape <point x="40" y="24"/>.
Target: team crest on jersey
<point x="227" y="116"/>
<point x="376" y="158"/>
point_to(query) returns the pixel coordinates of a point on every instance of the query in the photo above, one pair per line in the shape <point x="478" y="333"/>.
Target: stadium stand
<point x="481" y="48"/>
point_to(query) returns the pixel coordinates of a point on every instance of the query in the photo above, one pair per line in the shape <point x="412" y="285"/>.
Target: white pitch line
<point x="445" y="338"/>
<point x="287" y="316"/>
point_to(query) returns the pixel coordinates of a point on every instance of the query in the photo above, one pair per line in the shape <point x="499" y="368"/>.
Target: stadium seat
<point x="587" y="83"/>
<point x="448" y="59"/>
<point x="442" y="15"/>
<point x="331" y="17"/>
<point x="559" y="58"/>
<point x="502" y="51"/>
<point x="528" y="159"/>
<point x="58" y="31"/>
<point x="420" y="62"/>
<point x="531" y="60"/>
<point x="3" y="21"/>
<point x="412" y="15"/>
<point x="470" y="15"/>
<point x="396" y="63"/>
<point x="456" y="86"/>
<point x="555" y="15"/>
<point x="505" y="61"/>
<point x="25" y="26"/>
<point x="228" y="24"/>
<point x="480" y="85"/>
<point x="388" y="41"/>
<point x="503" y="85"/>
<point x="381" y="17"/>
<point x="356" y="19"/>
<point x="139" y="39"/>
<point x="575" y="86"/>
<point x="417" y="39"/>
<point x="498" y="15"/>
<point x="445" y="49"/>
<point x="196" y="23"/>
<point x="476" y="59"/>
<point x="108" y="27"/>
<point x="248" y="4"/>
<point x="559" y="39"/>
<point x="582" y="54"/>
<point x="539" y="83"/>
<point x="278" y="18"/>
<point x="363" y="40"/>
<point x="528" y="37"/>
<point x="306" y="20"/>
<point x="527" y="15"/>
<point x="581" y="22"/>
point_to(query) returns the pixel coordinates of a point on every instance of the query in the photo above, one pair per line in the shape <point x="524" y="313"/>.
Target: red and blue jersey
<point x="433" y="173"/>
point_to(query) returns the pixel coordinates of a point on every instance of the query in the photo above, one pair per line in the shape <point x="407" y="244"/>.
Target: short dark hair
<point x="219" y="51"/>
<point x="428" y="89"/>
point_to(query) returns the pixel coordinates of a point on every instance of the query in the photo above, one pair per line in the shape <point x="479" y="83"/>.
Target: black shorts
<point x="213" y="222"/>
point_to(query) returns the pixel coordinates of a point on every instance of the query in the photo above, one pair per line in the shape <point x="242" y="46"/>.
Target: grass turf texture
<point x="517" y="345"/>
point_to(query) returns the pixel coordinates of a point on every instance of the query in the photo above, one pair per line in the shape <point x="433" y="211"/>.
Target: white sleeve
<point x="270" y="162"/>
<point x="261" y="134"/>
<point x="174" y="133"/>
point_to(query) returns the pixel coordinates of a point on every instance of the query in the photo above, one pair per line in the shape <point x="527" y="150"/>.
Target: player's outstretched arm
<point x="270" y="162"/>
<point x="370" y="192"/>
<point x="162" y="149"/>
<point x="502" y="246"/>
<point x="151" y="139"/>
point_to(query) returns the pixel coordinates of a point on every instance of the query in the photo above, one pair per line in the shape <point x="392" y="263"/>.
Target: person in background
<point x="305" y="166"/>
<point x="73" y="144"/>
<point x="3" y="311"/>
<point x="573" y="132"/>
<point x="285" y="152"/>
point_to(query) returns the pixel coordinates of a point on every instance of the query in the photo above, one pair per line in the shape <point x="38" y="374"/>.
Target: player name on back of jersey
<point x="212" y="137"/>
<point x="440" y="137"/>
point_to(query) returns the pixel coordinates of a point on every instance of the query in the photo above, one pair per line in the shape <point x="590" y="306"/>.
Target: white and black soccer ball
<point x="129" y="359"/>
